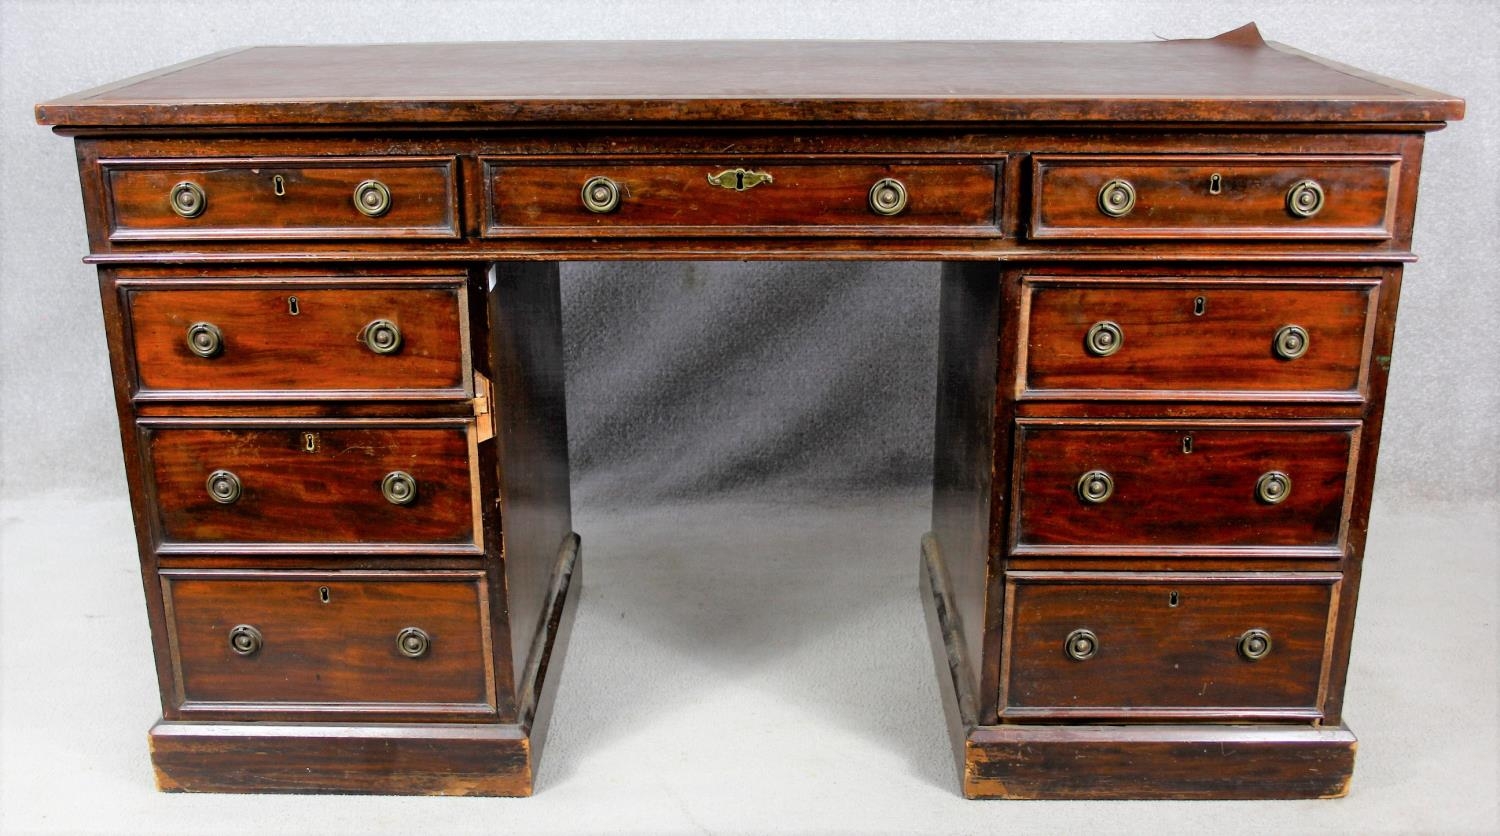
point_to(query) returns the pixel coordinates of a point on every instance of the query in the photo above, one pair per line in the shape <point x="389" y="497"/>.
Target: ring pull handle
<point x="1304" y="199"/>
<point x="187" y="199"/>
<point x="601" y="195"/>
<point x="246" y="640"/>
<point x="205" y="339"/>
<point x="224" y="487"/>
<point x="888" y="197"/>
<point x="413" y="642"/>
<point x="1273" y="487"/>
<point x="381" y="336"/>
<point x="1117" y="198"/>
<point x="372" y="198"/>
<point x="1081" y="645"/>
<point x="1254" y="645"/>
<point x="1104" y="338"/>
<point x="1095" y="487"/>
<point x="399" y="488"/>
<point x="1290" y="342"/>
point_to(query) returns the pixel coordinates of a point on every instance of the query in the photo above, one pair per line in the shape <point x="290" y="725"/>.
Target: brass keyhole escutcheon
<point x="413" y="642"/>
<point x="309" y="442"/>
<point x="246" y="640"/>
<point x="1117" y="198"/>
<point x="372" y="198"/>
<point x="1173" y="599"/>
<point x="187" y="199"/>
<point x="1187" y="444"/>
<point x="1215" y="183"/>
<point x="323" y="594"/>
<point x="1255" y="645"/>
<point x="293" y="306"/>
<point x="739" y="179"/>
<point x="1081" y="645"/>
<point x="601" y="195"/>
<point x="1200" y="304"/>
<point x="278" y="186"/>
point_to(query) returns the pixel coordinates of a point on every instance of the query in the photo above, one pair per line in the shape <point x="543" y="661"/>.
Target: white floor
<point x="739" y="666"/>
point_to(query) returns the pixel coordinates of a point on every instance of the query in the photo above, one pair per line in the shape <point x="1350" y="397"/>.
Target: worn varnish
<point x="1167" y="310"/>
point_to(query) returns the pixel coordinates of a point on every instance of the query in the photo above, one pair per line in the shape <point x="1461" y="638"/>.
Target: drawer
<point x="1196" y="338"/>
<point x="1118" y="646"/>
<point x="766" y="196"/>
<point x="1182" y="488"/>
<point x="400" y="641"/>
<point x="280" y="197"/>
<point x="253" y="339"/>
<point x="1213" y="196"/>
<point x="296" y="485"/>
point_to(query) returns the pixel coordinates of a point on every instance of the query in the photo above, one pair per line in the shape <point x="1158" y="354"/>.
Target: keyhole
<point x="323" y="594"/>
<point x="310" y="442"/>
<point x="1172" y="599"/>
<point x="291" y="306"/>
<point x="278" y="185"/>
<point x="1199" y="305"/>
<point x="739" y="181"/>
<point x="1187" y="444"/>
<point x="1215" y="183"/>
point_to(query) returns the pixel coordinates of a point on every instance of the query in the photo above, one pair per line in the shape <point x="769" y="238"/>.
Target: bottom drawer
<point x="321" y="641"/>
<point x="1162" y="646"/>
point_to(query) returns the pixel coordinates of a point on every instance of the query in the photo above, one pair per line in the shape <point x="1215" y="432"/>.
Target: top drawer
<point x="284" y="197"/>
<point x="766" y="196"/>
<point x="1214" y="196"/>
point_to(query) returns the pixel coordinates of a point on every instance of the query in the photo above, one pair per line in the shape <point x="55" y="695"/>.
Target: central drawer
<point x="764" y="196"/>
<point x="318" y="641"/>
<point x="1182" y="488"/>
<point x="312" y="485"/>
<point x="1120" y="645"/>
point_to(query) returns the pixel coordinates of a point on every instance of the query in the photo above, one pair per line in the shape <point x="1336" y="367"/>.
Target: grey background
<point x="692" y="378"/>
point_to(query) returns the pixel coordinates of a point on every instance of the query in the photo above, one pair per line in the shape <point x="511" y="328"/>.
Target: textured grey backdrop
<point x="690" y="378"/>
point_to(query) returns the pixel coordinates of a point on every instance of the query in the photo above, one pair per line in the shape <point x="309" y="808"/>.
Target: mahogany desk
<point x="1170" y="274"/>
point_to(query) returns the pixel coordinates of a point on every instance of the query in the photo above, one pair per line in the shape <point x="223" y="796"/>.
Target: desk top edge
<point x="1237" y="77"/>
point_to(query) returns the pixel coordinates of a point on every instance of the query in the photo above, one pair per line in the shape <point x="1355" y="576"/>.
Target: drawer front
<point x="1183" y="488"/>
<point x="282" y="640"/>
<point x="1121" y="646"/>
<point x="299" y="339"/>
<point x="277" y="198"/>
<point x="1201" y="196"/>
<point x="305" y="485"/>
<point x="1196" y="338"/>
<point x="800" y="198"/>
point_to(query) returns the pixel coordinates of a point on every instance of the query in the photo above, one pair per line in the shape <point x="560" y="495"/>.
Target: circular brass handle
<point x="1255" y="645"/>
<point x="372" y="198"/>
<point x="888" y="197"/>
<point x="224" y="487"/>
<point x="1273" y="487"/>
<point x="413" y="642"/>
<point x="1116" y="198"/>
<point x="1104" y="338"/>
<point x="246" y="640"/>
<point x="381" y="336"/>
<point x="601" y="195"/>
<point x="205" y="339"/>
<point x="1304" y="199"/>
<point x="1095" y="487"/>
<point x="1290" y="342"/>
<point x="1081" y="645"/>
<point x="399" y="488"/>
<point x="187" y="199"/>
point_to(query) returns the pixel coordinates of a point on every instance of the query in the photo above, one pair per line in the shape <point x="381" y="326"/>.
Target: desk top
<point x="1236" y="77"/>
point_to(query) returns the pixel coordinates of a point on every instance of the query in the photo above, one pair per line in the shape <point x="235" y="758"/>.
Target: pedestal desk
<point x="329" y="279"/>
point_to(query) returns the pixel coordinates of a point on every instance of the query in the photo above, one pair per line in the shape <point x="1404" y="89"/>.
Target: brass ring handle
<point x="1304" y="199"/>
<point x="413" y="642"/>
<point x="1117" y="198"/>
<point x="187" y="199"/>
<point x="224" y="487"/>
<point x="381" y="336"/>
<point x="601" y="195"/>
<point x="1255" y="645"/>
<point x="888" y="197"/>
<point x="246" y="640"/>
<point x="399" y="488"/>
<point x="205" y="339"/>
<point x="1081" y="645"/>
<point x="372" y="198"/>
<point x="1273" y="487"/>
<point x="1290" y="342"/>
<point x="1095" y="486"/>
<point x="1104" y="338"/>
